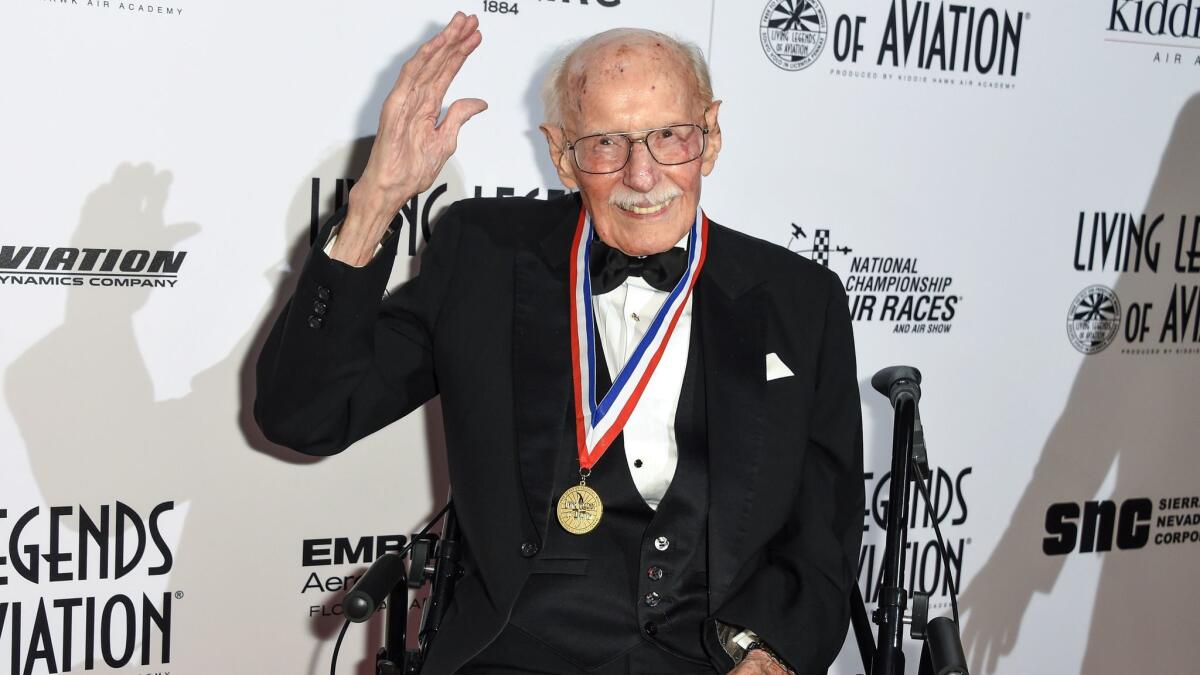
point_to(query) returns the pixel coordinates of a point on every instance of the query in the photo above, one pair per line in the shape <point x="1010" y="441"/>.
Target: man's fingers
<point x="448" y="41"/>
<point x="426" y="52"/>
<point x="447" y="57"/>
<point x="460" y="111"/>
<point x="455" y="63"/>
<point x="449" y="33"/>
<point x="430" y="51"/>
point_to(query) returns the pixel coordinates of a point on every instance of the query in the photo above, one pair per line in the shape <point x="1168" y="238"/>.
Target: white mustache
<point x="623" y="197"/>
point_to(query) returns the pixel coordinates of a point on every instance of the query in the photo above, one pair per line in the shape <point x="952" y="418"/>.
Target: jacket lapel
<point x="541" y="361"/>
<point x="730" y="316"/>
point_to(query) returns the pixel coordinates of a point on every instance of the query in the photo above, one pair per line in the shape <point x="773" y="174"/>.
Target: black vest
<point x="639" y="580"/>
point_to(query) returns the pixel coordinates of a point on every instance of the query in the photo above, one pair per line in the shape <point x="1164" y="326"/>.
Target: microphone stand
<point x="889" y="655"/>
<point x="433" y="559"/>
<point x="941" y="652"/>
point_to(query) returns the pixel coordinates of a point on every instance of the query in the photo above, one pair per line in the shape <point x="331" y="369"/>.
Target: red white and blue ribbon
<point x="597" y="423"/>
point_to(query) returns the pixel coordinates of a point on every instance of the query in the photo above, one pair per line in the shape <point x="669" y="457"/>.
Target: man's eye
<point x="667" y="133"/>
<point x="606" y="141"/>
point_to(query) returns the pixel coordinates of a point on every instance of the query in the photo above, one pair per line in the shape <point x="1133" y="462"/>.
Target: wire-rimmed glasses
<point x="609" y="153"/>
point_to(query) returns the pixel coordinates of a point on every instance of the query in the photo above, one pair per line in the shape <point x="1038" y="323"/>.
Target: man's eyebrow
<point x="603" y="132"/>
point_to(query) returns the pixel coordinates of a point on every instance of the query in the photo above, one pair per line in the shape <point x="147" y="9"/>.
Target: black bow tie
<point x="610" y="267"/>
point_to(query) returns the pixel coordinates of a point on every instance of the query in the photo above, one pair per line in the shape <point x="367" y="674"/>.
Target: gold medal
<point x="579" y="509"/>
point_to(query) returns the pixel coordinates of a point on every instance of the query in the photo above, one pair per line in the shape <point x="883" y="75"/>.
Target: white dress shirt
<point x="622" y="316"/>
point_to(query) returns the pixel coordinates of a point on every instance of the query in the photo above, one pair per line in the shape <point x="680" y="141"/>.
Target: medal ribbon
<point x="597" y="424"/>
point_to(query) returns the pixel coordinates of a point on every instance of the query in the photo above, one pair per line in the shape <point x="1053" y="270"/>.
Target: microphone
<point x="945" y="649"/>
<point x="894" y="381"/>
<point x="370" y="590"/>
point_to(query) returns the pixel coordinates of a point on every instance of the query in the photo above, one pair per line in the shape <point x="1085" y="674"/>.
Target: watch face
<point x="744" y="639"/>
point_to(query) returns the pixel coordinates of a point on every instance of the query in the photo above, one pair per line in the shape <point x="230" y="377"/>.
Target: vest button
<point x="652" y="599"/>
<point x="529" y="549"/>
<point x="650" y="628"/>
<point x="662" y="543"/>
<point x="655" y="573"/>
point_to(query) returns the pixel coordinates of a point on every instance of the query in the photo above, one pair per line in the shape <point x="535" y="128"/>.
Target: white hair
<point x="568" y="64"/>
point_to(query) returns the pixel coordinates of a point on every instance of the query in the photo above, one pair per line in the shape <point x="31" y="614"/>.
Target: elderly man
<point x="652" y="421"/>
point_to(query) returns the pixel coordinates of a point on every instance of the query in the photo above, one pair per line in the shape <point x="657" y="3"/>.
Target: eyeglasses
<point x="609" y="153"/>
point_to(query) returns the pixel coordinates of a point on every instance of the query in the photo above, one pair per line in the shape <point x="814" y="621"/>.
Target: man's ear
<point x="712" y="146"/>
<point x="557" y="142"/>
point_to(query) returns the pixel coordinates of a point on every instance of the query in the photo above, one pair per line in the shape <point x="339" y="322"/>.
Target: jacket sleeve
<point x="340" y="362"/>
<point x="797" y="601"/>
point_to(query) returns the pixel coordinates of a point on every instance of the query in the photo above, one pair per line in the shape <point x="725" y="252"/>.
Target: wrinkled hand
<point x="410" y="147"/>
<point x="758" y="663"/>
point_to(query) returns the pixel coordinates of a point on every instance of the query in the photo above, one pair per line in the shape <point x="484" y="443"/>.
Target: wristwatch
<point x="738" y="642"/>
<point x="762" y="647"/>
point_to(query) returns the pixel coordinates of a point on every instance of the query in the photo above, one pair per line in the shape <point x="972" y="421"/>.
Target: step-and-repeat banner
<point x="1009" y="189"/>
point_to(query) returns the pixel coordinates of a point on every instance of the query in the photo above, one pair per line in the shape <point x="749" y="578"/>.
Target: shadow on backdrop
<point x="84" y="403"/>
<point x="1134" y="411"/>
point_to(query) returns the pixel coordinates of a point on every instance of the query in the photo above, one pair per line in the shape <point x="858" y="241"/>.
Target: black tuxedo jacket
<point x="485" y="325"/>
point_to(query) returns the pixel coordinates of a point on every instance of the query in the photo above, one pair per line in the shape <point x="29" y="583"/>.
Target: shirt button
<point x="315" y="321"/>
<point x="529" y="549"/>
<point x="319" y="308"/>
<point x="655" y="573"/>
<point x="637" y="463"/>
<point x="652" y="599"/>
<point x="324" y="293"/>
<point x="650" y="628"/>
<point x="662" y="543"/>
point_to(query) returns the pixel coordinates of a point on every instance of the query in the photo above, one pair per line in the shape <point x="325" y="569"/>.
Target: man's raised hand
<point x="410" y="147"/>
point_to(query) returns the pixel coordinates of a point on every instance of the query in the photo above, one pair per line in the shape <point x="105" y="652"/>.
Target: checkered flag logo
<point x="821" y="248"/>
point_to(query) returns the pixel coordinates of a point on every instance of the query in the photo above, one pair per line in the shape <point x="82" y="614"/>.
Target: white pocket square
<point x="776" y="368"/>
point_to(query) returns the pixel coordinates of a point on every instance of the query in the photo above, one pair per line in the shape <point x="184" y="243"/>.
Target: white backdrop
<point x="967" y="208"/>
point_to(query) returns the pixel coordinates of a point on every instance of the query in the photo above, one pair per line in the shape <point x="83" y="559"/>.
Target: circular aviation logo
<point x="793" y="32"/>
<point x="1094" y="318"/>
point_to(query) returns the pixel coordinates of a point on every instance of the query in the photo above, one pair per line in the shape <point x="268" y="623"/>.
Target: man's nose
<point x="642" y="172"/>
